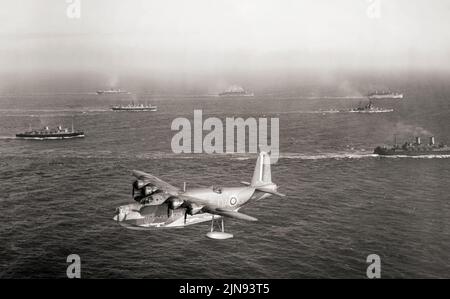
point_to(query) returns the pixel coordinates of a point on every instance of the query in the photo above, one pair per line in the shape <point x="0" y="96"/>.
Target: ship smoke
<point x="406" y="131"/>
<point x="113" y="81"/>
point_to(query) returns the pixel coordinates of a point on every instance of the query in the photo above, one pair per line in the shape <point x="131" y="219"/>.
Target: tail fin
<point x="262" y="175"/>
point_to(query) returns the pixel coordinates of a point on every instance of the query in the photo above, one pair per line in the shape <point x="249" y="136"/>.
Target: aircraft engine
<point x="159" y="197"/>
<point x="174" y="203"/>
<point x="156" y="198"/>
<point x="141" y="189"/>
<point x="149" y="189"/>
<point x="138" y="184"/>
<point x="193" y="209"/>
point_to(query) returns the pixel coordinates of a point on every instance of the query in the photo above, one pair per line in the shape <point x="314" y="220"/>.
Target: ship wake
<point x="416" y="157"/>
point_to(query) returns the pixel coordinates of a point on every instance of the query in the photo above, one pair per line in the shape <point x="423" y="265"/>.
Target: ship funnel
<point x="417" y="140"/>
<point x="432" y="140"/>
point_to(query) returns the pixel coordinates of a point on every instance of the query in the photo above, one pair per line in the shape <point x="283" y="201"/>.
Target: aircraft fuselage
<point x="141" y="216"/>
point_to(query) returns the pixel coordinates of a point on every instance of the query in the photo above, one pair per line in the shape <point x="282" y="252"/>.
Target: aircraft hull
<point x="137" y="216"/>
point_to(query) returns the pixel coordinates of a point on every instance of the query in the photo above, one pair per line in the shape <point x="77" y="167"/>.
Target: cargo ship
<point x="370" y="108"/>
<point x="46" y="133"/>
<point x="112" y="91"/>
<point x="385" y="95"/>
<point x="236" y="91"/>
<point x="134" y="107"/>
<point x="416" y="148"/>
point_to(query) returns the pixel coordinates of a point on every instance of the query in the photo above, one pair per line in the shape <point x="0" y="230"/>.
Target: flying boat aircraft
<point x="161" y="205"/>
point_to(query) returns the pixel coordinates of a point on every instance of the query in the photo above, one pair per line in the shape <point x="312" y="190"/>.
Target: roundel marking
<point x="233" y="200"/>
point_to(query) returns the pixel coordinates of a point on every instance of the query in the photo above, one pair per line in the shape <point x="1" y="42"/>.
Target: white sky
<point x="196" y="35"/>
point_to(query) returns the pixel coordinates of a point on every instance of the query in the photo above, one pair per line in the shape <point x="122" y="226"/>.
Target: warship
<point x="46" y="133"/>
<point x="112" y="91"/>
<point x="385" y="95"/>
<point x="370" y="108"/>
<point x="416" y="148"/>
<point x="134" y="107"/>
<point x="236" y="91"/>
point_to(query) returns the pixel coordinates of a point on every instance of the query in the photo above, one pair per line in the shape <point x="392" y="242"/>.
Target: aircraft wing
<point x="194" y="200"/>
<point x="233" y="214"/>
<point x="160" y="184"/>
<point x="218" y="211"/>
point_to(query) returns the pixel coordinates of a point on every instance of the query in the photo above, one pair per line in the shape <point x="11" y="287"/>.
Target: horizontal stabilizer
<point x="270" y="191"/>
<point x="245" y="183"/>
<point x="234" y="214"/>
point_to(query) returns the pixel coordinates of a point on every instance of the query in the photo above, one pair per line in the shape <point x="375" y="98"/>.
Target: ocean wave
<point x="331" y="111"/>
<point x="416" y="157"/>
<point x="334" y="156"/>
<point x="159" y="155"/>
<point x="49" y="112"/>
<point x="342" y="156"/>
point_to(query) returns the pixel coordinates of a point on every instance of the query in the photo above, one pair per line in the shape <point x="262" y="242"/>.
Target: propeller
<point x="135" y="188"/>
<point x="169" y="214"/>
<point x="169" y="208"/>
<point x="186" y="212"/>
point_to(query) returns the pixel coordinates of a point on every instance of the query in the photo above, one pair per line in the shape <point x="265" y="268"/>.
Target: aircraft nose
<point x="117" y="214"/>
